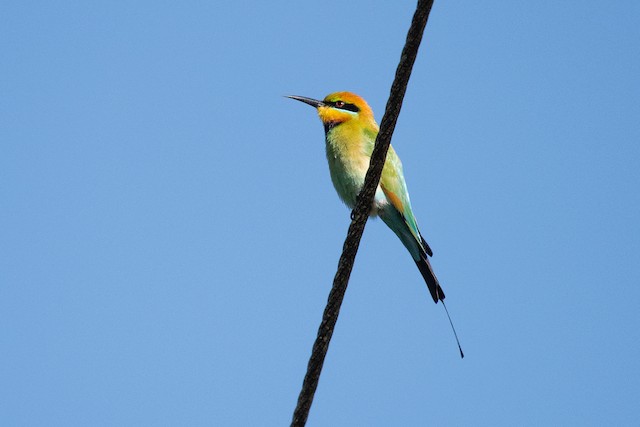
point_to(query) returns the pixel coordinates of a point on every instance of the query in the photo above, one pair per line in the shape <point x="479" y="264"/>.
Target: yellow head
<point x="341" y="107"/>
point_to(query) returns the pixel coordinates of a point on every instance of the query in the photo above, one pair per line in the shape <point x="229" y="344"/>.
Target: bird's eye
<point x="339" y="104"/>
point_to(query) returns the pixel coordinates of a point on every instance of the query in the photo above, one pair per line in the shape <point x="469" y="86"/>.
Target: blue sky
<point x="170" y="233"/>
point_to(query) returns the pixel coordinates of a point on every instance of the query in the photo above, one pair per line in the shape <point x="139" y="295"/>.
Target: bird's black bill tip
<point x="313" y="102"/>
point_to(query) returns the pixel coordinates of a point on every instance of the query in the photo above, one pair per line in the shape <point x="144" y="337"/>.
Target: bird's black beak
<point x="313" y="102"/>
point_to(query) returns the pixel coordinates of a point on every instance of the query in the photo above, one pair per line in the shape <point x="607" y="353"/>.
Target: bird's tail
<point x="430" y="278"/>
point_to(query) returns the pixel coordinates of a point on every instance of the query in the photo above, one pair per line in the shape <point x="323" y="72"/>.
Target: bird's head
<point x="340" y="107"/>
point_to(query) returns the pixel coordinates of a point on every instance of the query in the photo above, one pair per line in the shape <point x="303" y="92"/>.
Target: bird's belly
<point x="348" y="178"/>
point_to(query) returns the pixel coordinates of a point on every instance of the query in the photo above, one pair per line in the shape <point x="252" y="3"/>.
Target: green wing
<point x="395" y="189"/>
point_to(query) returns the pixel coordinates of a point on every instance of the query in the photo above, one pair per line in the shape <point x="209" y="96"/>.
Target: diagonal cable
<point x="360" y="213"/>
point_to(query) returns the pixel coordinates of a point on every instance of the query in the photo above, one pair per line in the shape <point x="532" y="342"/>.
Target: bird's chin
<point x="332" y="115"/>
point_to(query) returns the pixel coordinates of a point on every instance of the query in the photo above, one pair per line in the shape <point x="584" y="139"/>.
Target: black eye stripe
<point x="345" y="106"/>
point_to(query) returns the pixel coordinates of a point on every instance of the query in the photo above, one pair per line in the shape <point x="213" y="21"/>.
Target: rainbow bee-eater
<point x="350" y="133"/>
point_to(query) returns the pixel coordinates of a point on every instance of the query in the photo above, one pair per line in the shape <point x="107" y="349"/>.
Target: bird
<point x="350" y="133"/>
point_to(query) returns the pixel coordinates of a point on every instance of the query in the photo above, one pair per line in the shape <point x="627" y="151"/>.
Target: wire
<point x="360" y="213"/>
